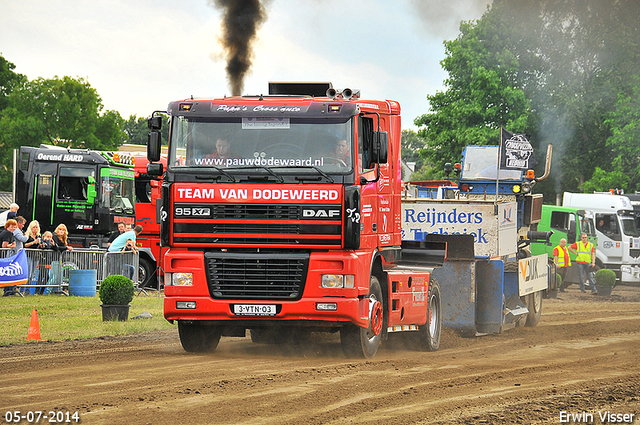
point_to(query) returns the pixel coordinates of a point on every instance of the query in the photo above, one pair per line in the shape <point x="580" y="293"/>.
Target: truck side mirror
<point x="155" y="123"/>
<point x="380" y="148"/>
<point x="155" y="169"/>
<point x="91" y="190"/>
<point x="154" y="145"/>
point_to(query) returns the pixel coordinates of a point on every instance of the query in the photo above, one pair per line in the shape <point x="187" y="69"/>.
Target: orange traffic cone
<point x="34" y="327"/>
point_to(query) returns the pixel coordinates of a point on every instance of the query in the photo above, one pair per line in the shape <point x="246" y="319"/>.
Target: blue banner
<point x="14" y="270"/>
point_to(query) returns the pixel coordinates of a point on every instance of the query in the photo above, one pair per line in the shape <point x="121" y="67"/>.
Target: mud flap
<point x="490" y="290"/>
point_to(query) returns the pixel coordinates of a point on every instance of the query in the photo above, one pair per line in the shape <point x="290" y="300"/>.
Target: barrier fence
<point x="49" y="271"/>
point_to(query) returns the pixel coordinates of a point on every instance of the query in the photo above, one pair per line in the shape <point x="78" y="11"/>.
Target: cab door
<point x="609" y="236"/>
<point x="42" y="201"/>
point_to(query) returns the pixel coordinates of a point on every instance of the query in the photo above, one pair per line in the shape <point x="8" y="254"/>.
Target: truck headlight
<point x="626" y="269"/>
<point x="179" y="279"/>
<point x="337" y="281"/>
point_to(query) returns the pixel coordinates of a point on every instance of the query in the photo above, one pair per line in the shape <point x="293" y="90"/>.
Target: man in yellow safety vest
<point x="585" y="258"/>
<point x="562" y="261"/>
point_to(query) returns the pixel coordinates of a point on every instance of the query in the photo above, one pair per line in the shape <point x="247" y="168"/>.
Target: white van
<point x="618" y="240"/>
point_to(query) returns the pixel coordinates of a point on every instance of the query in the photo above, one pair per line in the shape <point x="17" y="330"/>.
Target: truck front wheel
<point x="364" y="342"/>
<point x="198" y="338"/>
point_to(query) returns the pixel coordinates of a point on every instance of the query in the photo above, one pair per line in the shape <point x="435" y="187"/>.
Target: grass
<point x="66" y="318"/>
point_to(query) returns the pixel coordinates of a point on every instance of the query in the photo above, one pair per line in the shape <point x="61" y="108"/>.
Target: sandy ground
<point x="584" y="356"/>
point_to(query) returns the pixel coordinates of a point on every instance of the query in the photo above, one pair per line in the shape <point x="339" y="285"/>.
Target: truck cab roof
<point x="597" y="202"/>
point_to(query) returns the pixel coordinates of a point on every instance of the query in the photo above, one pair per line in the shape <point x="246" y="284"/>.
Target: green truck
<point x="567" y="223"/>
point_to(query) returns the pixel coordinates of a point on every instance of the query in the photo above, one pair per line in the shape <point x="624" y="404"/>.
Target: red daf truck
<point x="282" y="212"/>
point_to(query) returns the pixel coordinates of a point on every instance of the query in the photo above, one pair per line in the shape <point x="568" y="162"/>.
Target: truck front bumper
<point x="630" y="274"/>
<point x="311" y="311"/>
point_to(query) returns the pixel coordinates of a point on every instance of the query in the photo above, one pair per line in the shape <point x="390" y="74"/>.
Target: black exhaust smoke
<point x="240" y="24"/>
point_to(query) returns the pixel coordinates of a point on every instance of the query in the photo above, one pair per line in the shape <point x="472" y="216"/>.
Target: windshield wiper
<point x="325" y="175"/>
<point x="267" y="169"/>
<point x="221" y="171"/>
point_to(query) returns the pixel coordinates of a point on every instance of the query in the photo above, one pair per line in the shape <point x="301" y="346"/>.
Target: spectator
<point x="121" y="240"/>
<point x="60" y="239"/>
<point x="10" y="213"/>
<point x="45" y="262"/>
<point x="20" y="237"/>
<point x="13" y="211"/>
<point x="585" y="257"/>
<point x="34" y="239"/>
<point x="6" y="236"/>
<point x="8" y="242"/>
<point x="130" y="246"/>
<point x="115" y="234"/>
<point x="47" y="240"/>
<point x="562" y="261"/>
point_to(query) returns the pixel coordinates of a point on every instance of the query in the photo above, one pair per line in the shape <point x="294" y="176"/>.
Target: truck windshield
<point x="480" y="163"/>
<point x="629" y="225"/>
<point x="238" y="143"/>
<point x="118" y="190"/>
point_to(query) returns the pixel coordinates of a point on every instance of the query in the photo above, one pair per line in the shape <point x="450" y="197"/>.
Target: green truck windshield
<point x="118" y="189"/>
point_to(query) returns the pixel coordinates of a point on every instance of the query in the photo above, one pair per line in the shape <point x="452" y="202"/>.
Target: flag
<point x="516" y="153"/>
<point x="14" y="270"/>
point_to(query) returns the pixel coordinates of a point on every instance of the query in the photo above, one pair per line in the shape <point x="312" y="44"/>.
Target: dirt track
<point x="583" y="356"/>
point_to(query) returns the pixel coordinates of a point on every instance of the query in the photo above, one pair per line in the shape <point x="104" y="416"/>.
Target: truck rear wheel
<point x="364" y="342"/>
<point x="534" y="305"/>
<point x="429" y="333"/>
<point x="198" y="338"/>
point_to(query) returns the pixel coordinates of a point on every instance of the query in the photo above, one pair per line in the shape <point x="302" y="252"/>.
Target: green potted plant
<point x="605" y="281"/>
<point x="116" y="292"/>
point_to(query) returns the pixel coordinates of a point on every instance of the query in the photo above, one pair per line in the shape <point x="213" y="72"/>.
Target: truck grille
<point x="258" y="211"/>
<point x="256" y="276"/>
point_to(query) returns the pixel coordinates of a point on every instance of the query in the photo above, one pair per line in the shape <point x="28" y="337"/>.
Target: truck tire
<point x="534" y="305"/>
<point x="146" y="273"/>
<point x="429" y="333"/>
<point x="198" y="338"/>
<point x="364" y="342"/>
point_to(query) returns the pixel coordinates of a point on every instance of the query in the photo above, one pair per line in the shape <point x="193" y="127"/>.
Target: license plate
<point x="254" y="309"/>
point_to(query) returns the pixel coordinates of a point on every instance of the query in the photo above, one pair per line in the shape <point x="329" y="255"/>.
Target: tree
<point x="590" y="49"/>
<point x="411" y="146"/>
<point x="137" y="130"/>
<point x="8" y="80"/>
<point x="482" y="95"/>
<point x="552" y="69"/>
<point x="65" y="112"/>
<point x="624" y="142"/>
<point x="602" y="181"/>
